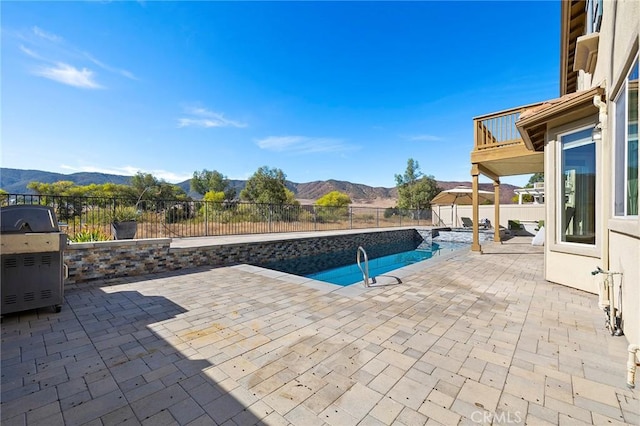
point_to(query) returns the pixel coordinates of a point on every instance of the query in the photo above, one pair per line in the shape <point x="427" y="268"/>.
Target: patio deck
<point x="469" y="339"/>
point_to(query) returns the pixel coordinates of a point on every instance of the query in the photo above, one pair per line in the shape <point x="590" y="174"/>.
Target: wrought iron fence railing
<point x="82" y="216"/>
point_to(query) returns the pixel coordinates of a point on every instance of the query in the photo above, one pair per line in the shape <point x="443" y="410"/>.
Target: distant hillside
<point x="15" y="181"/>
<point x="356" y="191"/>
<point x="364" y="194"/>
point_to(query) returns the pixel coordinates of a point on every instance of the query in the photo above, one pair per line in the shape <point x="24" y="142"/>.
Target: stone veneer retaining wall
<point x="124" y="258"/>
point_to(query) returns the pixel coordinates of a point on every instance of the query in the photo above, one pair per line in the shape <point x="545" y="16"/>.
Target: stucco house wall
<point x="619" y="44"/>
<point x="617" y="239"/>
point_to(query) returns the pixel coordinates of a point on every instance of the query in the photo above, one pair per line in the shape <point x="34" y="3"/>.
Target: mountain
<point x="356" y="191"/>
<point x="15" y="181"/>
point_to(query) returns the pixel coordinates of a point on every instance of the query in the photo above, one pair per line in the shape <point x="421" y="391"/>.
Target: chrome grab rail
<point x="365" y="271"/>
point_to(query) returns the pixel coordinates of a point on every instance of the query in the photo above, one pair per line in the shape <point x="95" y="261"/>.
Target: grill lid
<point x="25" y="218"/>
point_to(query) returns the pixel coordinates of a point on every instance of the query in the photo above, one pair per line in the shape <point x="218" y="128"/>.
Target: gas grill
<point x="32" y="252"/>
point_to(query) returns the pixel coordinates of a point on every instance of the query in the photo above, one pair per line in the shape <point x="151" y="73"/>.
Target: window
<point x="594" y="15"/>
<point x="626" y="146"/>
<point x="578" y="187"/>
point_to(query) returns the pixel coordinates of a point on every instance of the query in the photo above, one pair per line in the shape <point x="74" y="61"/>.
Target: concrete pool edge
<point x="356" y="288"/>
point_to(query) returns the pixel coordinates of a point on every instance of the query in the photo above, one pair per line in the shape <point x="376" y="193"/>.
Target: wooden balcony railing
<point x="498" y="129"/>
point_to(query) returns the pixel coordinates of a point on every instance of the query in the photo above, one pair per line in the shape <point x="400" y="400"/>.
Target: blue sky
<point x="321" y="90"/>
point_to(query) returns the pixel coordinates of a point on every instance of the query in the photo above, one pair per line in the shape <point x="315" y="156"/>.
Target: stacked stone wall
<point x="113" y="259"/>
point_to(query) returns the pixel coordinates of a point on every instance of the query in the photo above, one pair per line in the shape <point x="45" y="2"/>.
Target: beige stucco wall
<point x="618" y="240"/>
<point x="621" y="17"/>
<point x="521" y="212"/>
<point x="625" y="258"/>
<point x="615" y="54"/>
<point x="572" y="270"/>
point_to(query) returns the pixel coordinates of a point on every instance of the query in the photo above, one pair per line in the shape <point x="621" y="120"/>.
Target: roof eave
<point x="581" y="100"/>
<point x="572" y="23"/>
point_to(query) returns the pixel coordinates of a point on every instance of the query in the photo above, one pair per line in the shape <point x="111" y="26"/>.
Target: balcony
<point x="499" y="149"/>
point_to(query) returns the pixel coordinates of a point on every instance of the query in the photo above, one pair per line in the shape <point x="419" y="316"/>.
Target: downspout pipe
<point x="631" y="365"/>
<point x="605" y="207"/>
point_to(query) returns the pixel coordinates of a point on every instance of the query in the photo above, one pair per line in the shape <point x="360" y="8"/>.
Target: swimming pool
<point x="340" y="268"/>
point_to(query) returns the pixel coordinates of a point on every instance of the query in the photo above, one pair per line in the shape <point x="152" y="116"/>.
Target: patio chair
<point x="466" y="222"/>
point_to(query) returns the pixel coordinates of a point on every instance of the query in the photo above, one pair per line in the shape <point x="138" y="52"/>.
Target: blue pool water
<point x="351" y="274"/>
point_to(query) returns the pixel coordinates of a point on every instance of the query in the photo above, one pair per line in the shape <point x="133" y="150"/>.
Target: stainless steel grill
<point x="32" y="254"/>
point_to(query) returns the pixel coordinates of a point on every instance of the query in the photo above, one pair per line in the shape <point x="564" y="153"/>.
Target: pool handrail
<point x="365" y="271"/>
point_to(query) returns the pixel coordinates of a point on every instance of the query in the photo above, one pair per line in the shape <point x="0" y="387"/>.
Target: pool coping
<point x="356" y="288"/>
<point x="220" y="240"/>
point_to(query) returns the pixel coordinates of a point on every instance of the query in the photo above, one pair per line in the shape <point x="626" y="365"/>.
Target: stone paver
<point x="465" y="339"/>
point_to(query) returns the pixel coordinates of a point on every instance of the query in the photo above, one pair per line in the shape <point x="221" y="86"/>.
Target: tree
<point x="110" y="190"/>
<point x="528" y="198"/>
<point x="334" y="199"/>
<point x="291" y="198"/>
<point x="214" y="197"/>
<point x="145" y="186"/>
<point x="333" y="206"/>
<point x="151" y="192"/>
<point x="66" y="208"/>
<point x="170" y="191"/>
<point x="60" y="188"/>
<point x="72" y="204"/>
<point x="266" y="186"/>
<point x="536" y="177"/>
<point x="211" y="181"/>
<point x="415" y="190"/>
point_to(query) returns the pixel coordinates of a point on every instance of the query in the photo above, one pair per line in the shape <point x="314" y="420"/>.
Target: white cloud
<point x="67" y="74"/>
<point x="202" y="117"/>
<point x="106" y="67"/>
<point x="170" y="176"/>
<point x="427" y="138"/>
<point x="129" y="171"/>
<point x="279" y="143"/>
<point x="46" y="35"/>
<point x="30" y="52"/>
<point x="55" y="55"/>
<point x="303" y="144"/>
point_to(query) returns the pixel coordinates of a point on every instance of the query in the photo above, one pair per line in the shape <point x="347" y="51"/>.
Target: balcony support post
<point x="496" y="205"/>
<point x="475" y="174"/>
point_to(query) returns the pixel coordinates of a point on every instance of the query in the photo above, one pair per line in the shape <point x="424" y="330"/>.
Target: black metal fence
<point x="81" y="217"/>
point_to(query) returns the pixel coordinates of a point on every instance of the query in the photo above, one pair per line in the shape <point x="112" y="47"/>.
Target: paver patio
<point x="468" y="339"/>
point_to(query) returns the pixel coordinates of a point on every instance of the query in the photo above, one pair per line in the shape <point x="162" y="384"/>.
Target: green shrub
<point x="89" y="235"/>
<point x="365" y="217"/>
<point x="178" y="213"/>
<point x="124" y="214"/>
<point x="306" y="216"/>
<point x="332" y="213"/>
<point x="246" y="213"/>
<point x="390" y="212"/>
<point x="97" y="216"/>
<point x="334" y="199"/>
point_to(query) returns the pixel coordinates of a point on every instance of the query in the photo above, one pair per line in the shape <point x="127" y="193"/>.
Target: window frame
<point x="594" y="15"/>
<point x="559" y="190"/>
<point x="622" y="144"/>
